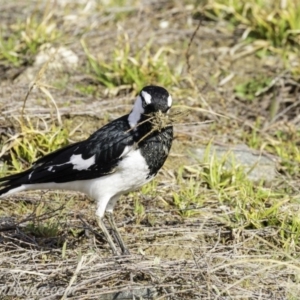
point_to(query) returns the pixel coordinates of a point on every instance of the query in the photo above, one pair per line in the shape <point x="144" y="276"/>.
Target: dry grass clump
<point x="85" y="274"/>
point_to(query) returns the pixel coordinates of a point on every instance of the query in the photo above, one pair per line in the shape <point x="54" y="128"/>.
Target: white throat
<point x="136" y="112"/>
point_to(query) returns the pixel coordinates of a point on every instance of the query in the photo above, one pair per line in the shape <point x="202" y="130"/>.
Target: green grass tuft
<point x="21" y="41"/>
<point x="129" y="70"/>
<point x="276" y="22"/>
<point x="247" y="205"/>
<point x="32" y="141"/>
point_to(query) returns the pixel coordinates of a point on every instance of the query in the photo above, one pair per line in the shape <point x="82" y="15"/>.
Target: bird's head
<point x="151" y="99"/>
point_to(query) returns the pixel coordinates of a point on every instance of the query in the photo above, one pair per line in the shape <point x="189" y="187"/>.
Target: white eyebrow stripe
<point x="170" y="101"/>
<point x="147" y="97"/>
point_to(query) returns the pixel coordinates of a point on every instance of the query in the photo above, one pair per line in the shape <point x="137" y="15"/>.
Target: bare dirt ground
<point x="174" y="256"/>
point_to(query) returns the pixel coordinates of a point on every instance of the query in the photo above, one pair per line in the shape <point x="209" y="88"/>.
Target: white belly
<point x="131" y="173"/>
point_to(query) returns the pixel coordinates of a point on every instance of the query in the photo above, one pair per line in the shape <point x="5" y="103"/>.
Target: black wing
<point x="102" y="150"/>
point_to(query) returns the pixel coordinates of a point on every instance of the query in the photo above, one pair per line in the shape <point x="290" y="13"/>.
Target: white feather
<point x="80" y="163"/>
<point x="147" y="97"/>
<point x="136" y="112"/>
<point x="170" y="101"/>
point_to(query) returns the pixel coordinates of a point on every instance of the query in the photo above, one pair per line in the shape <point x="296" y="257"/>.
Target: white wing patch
<point x="81" y="164"/>
<point x="147" y="97"/>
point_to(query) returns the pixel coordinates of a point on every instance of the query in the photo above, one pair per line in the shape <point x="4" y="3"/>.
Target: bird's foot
<point x="125" y="251"/>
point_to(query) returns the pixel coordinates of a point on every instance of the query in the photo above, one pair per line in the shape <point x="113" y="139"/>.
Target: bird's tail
<point x="13" y="183"/>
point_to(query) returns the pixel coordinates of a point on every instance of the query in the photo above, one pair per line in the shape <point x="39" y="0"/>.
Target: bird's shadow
<point x="42" y="233"/>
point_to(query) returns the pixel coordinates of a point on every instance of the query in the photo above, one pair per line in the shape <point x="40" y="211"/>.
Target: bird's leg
<point x="107" y="235"/>
<point x="118" y="237"/>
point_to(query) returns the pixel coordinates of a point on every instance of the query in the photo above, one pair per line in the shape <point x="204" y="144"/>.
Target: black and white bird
<point x="118" y="158"/>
